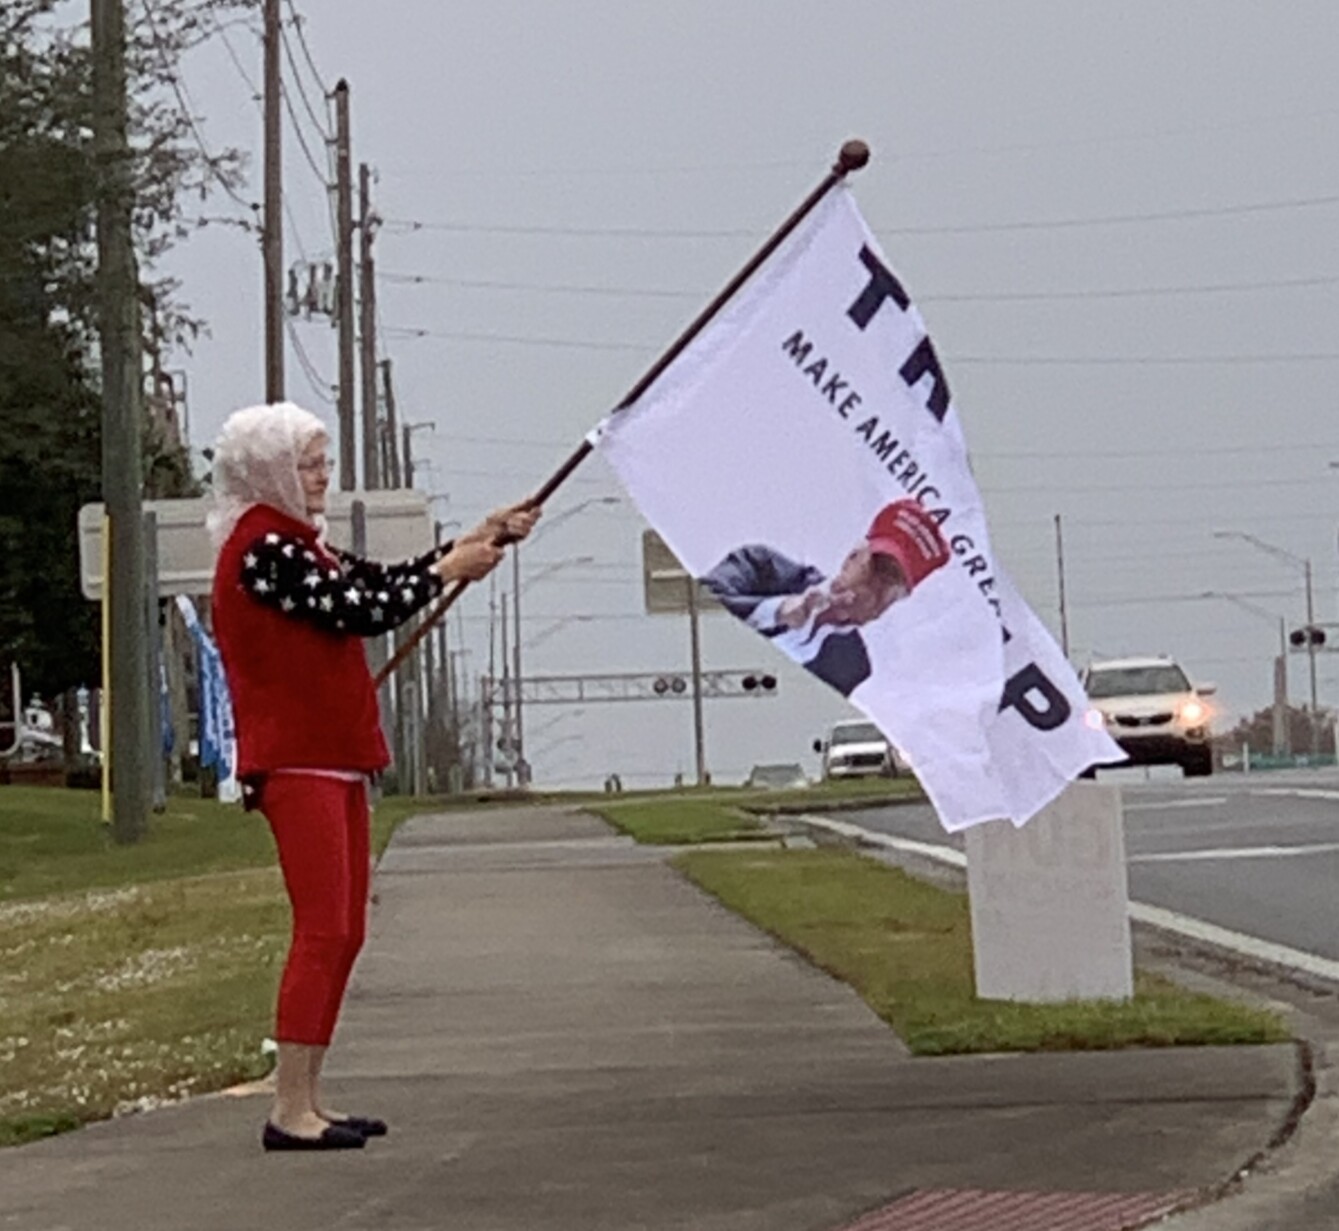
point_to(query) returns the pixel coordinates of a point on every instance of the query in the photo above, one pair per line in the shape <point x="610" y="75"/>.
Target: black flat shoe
<point x="366" y="1125"/>
<point x="335" y="1137"/>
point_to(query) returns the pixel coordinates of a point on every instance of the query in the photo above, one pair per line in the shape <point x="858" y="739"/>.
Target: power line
<point x="1210" y="288"/>
<point x="991" y="491"/>
<point x="1149" y="523"/>
<point x="325" y="177"/>
<point x="1175" y="215"/>
<point x="222" y="32"/>
<point x="257" y="98"/>
<point x="1137" y="360"/>
<point x="302" y="140"/>
<point x="1099" y="454"/>
<point x="1050" y="224"/>
<point x="319" y="385"/>
<point x="572" y="343"/>
<point x="631" y="292"/>
<point x="1149" y="599"/>
<point x="320" y="126"/>
<point x="976" y="360"/>
<point x="643" y="292"/>
<point x="297" y="22"/>
<point x="1233" y="483"/>
<point x="188" y="112"/>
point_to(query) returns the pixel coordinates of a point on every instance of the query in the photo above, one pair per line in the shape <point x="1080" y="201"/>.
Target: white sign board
<point x="399" y="525"/>
<point x="1050" y="902"/>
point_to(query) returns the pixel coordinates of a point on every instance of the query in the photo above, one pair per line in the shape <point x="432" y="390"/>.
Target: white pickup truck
<point x="858" y="749"/>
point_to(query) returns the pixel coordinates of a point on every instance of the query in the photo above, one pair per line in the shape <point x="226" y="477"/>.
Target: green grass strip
<point x="906" y="947"/>
<point x="731" y="814"/>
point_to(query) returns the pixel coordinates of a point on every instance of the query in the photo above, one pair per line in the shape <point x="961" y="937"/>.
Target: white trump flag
<point x="803" y="458"/>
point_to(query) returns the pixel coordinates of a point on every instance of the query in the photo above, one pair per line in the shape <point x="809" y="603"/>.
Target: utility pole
<point x="1060" y="572"/>
<point x="518" y="736"/>
<point x="273" y="239"/>
<point x="506" y="699"/>
<point x="348" y="470"/>
<point x="1282" y="737"/>
<point x="367" y="329"/>
<point x="408" y="430"/>
<point x="490" y="751"/>
<point x="1311" y="661"/>
<point x="119" y="339"/>
<point x="392" y="457"/>
<point x="391" y="452"/>
<point x="695" y="638"/>
<point x="157" y="757"/>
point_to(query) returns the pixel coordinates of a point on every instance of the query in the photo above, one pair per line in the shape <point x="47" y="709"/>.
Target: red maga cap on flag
<point x="907" y="532"/>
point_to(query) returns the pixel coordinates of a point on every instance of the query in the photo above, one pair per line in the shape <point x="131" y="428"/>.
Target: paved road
<point x="1258" y="854"/>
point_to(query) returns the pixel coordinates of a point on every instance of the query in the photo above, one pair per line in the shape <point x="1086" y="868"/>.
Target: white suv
<point x="1153" y="712"/>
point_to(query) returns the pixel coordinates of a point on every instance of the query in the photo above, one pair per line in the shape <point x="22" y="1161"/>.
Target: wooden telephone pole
<point x="122" y="480"/>
<point x="367" y="330"/>
<point x="273" y="239"/>
<point x="348" y="458"/>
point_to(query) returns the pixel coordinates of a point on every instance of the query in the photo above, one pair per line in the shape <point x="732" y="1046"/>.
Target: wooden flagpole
<point x="852" y="156"/>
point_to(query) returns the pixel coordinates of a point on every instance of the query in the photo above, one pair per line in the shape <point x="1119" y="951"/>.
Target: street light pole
<point x="1283" y="554"/>
<point x="518" y="730"/>
<point x="1281" y="738"/>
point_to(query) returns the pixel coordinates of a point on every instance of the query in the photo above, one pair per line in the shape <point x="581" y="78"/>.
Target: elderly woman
<point x="289" y="611"/>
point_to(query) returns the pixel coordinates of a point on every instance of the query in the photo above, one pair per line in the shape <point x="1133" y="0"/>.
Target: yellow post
<point x="105" y="709"/>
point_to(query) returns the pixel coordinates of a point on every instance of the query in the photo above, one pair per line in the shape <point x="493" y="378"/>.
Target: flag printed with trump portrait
<point x="802" y="456"/>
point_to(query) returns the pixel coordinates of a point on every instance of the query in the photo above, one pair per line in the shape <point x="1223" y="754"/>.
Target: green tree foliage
<point x="50" y="410"/>
<point x="1258" y="732"/>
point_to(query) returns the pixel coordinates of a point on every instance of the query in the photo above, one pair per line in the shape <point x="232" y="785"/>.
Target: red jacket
<point x="303" y="698"/>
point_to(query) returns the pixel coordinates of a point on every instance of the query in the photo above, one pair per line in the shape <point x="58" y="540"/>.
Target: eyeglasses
<point x="320" y="465"/>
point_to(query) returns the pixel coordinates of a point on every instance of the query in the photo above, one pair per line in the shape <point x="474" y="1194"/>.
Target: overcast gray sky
<point x="1119" y="221"/>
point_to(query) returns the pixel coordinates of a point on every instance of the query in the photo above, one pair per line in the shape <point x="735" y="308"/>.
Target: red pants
<point x="320" y="826"/>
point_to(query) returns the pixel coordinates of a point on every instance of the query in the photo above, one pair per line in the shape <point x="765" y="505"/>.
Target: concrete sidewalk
<point x="567" y="1035"/>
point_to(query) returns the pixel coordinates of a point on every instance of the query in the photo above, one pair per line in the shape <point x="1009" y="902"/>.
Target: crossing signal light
<point x="759" y="683"/>
<point x="1301" y="638"/>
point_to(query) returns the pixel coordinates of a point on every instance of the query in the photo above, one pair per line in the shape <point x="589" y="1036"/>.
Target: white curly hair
<point x="256" y="462"/>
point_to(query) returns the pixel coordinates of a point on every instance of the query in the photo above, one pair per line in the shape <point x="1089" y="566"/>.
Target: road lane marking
<point x="1211" y="802"/>
<point x="1300" y="792"/>
<point x="1140" y="912"/>
<point x="1237" y="852"/>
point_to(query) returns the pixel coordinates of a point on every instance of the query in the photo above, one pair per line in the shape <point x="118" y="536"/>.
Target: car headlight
<point x="1193" y="713"/>
<point x="1095" y="719"/>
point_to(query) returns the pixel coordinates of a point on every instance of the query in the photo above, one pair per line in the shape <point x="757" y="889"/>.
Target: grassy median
<point x="134" y="974"/>
<point x="731" y="814"/>
<point x="906" y="947"/>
